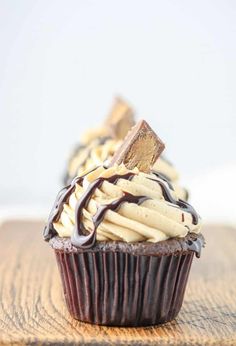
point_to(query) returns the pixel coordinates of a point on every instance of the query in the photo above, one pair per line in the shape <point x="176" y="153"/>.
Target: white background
<point x="61" y="62"/>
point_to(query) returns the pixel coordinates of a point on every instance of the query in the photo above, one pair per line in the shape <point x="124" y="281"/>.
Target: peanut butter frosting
<point x="93" y="134"/>
<point x="166" y="168"/>
<point x="118" y="204"/>
<point x="87" y="157"/>
<point x="101" y="150"/>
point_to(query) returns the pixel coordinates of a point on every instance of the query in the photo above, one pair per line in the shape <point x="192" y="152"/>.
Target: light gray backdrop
<point x="61" y="62"/>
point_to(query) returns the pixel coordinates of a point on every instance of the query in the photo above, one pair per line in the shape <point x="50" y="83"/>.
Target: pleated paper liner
<point x="123" y="289"/>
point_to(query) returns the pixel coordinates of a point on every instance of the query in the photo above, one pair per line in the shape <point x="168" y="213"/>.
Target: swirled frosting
<point x="88" y="157"/>
<point x="163" y="166"/>
<point x="101" y="150"/>
<point x="120" y="204"/>
<point x="94" y="134"/>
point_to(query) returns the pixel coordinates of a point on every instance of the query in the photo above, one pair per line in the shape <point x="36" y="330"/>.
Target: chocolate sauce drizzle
<point x="180" y="203"/>
<point x="64" y="194"/>
<point x="163" y="177"/>
<point x="62" y="198"/>
<point x="168" y="181"/>
<point x="196" y="245"/>
<point x="78" y="237"/>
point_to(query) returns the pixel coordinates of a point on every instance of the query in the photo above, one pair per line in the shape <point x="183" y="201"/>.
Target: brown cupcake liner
<point x="123" y="289"/>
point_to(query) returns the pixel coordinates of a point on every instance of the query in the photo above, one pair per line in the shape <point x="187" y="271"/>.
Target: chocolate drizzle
<point x="79" y="237"/>
<point x="62" y="198"/>
<point x="79" y="240"/>
<point x="127" y="197"/>
<point x="163" y="177"/>
<point x="168" y="181"/>
<point x="196" y="245"/>
<point x="180" y="203"/>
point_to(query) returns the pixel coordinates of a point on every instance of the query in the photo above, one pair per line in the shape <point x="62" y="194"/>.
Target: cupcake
<point x="99" y="145"/>
<point x="123" y="240"/>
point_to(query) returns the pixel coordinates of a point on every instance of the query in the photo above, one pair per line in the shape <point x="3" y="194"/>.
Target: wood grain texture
<point x="32" y="309"/>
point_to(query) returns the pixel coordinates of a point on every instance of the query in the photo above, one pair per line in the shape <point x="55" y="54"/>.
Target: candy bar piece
<point x="140" y="148"/>
<point x="120" y="120"/>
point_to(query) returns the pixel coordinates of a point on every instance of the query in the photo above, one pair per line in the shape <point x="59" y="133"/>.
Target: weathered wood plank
<point x="32" y="308"/>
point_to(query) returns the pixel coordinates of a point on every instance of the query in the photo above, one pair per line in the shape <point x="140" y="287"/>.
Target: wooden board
<point x="32" y="309"/>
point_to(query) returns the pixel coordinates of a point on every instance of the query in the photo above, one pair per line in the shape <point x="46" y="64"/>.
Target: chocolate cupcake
<point x="123" y="240"/>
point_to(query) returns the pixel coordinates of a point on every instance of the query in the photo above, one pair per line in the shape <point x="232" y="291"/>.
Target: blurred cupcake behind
<point x="97" y="146"/>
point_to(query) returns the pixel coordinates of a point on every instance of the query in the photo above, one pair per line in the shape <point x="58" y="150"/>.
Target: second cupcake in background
<point x="97" y="146"/>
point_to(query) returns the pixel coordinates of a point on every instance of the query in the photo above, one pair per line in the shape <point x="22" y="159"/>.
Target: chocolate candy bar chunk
<point x="141" y="148"/>
<point x="120" y="120"/>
